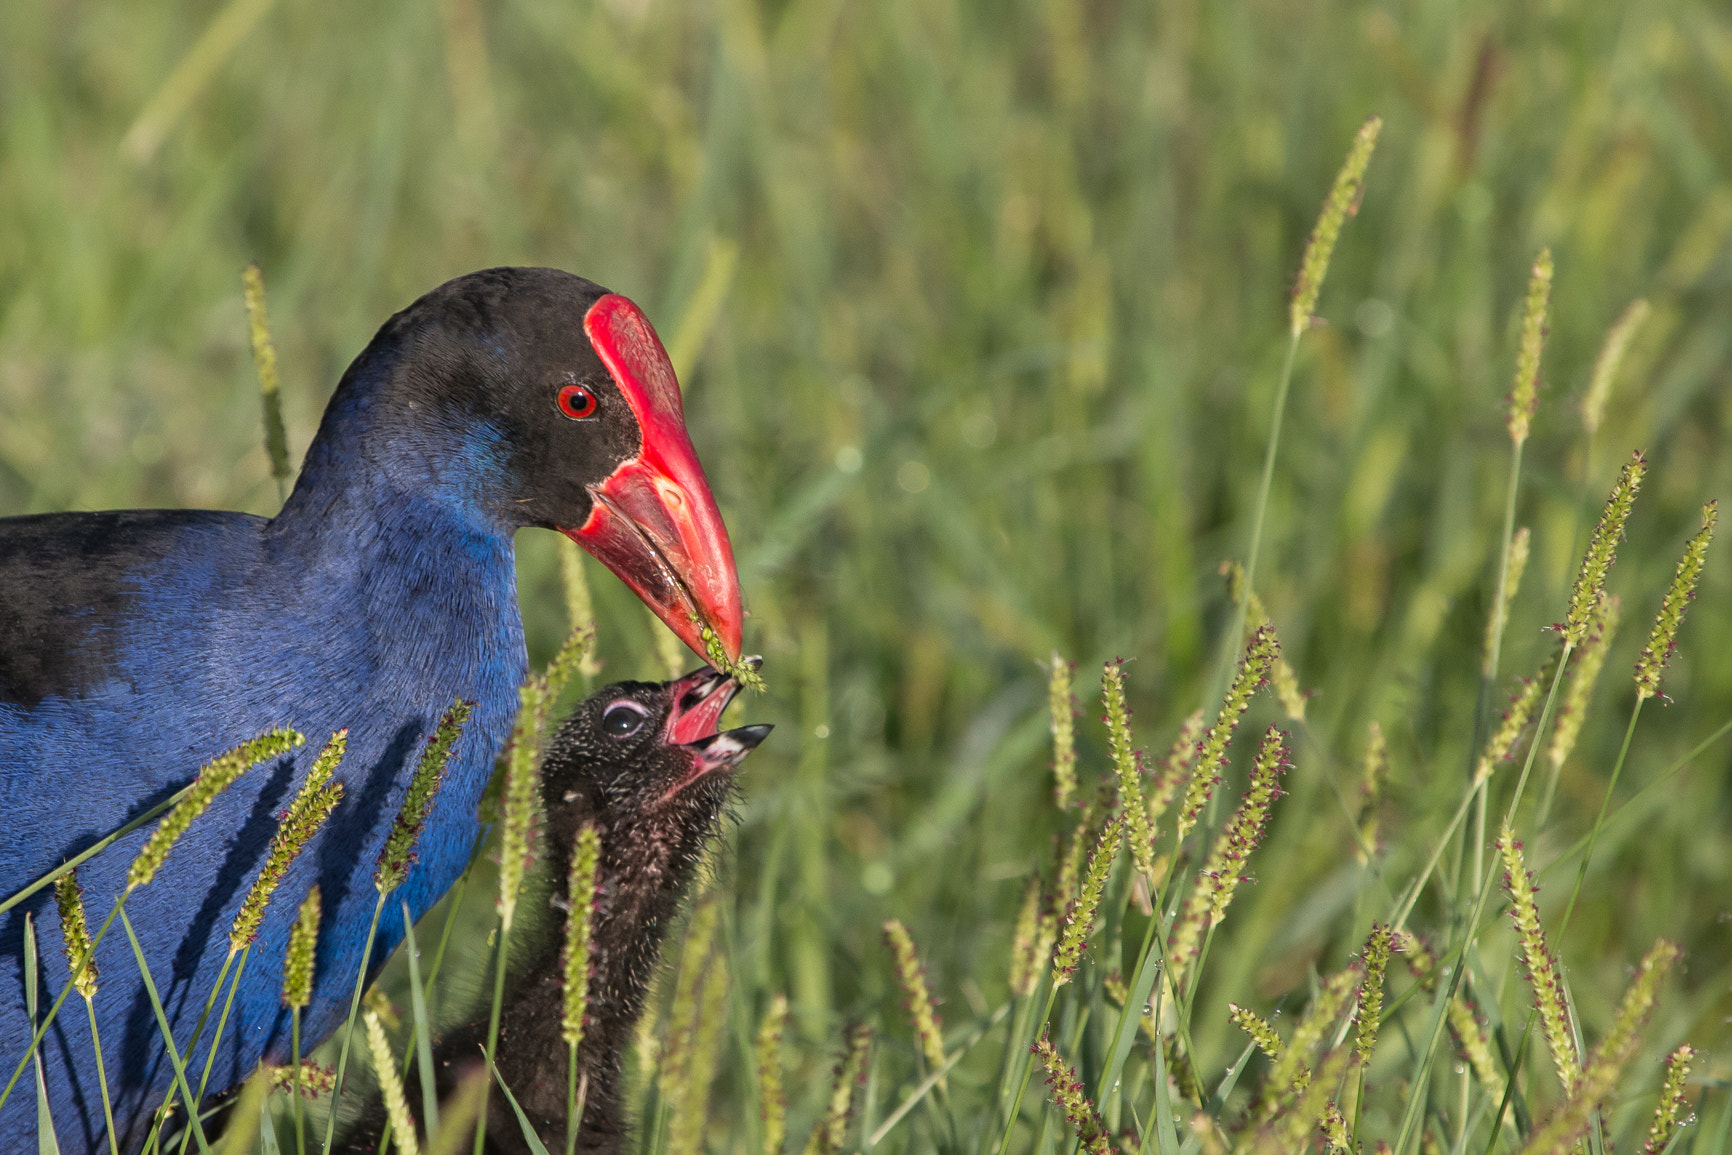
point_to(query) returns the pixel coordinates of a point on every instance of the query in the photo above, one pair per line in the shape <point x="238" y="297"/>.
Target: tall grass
<point x="981" y="314"/>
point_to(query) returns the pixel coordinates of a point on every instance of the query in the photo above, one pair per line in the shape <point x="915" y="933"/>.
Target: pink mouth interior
<point x="700" y="721"/>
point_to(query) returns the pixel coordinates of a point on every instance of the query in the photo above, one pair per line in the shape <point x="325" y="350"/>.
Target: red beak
<point x="654" y="522"/>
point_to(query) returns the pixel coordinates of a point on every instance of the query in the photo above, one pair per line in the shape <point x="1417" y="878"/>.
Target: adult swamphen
<point x="645" y="763"/>
<point x="135" y="646"/>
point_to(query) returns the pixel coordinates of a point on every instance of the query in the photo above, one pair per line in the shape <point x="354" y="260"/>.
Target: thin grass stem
<point x="102" y="1079"/>
<point x="493" y="1022"/>
<point x="349" y="1025"/>
<point x="1600" y="818"/>
<point x="167" y="1034"/>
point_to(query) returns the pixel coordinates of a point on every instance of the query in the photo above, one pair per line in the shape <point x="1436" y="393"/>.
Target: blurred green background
<point x="979" y="308"/>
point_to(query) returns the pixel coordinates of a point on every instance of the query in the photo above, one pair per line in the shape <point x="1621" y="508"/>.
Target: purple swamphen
<point x="135" y="646"/>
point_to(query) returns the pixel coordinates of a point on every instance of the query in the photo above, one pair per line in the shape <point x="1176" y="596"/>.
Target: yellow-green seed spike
<point x="689" y="1103"/>
<point x="1219" y="878"/>
<point x="1370" y="1014"/>
<point x="265" y="361"/>
<point x="399" y="851"/>
<point x="741" y="671"/>
<point x="1025" y="953"/>
<point x="213" y="778"/>
<point x="1664" y="637"/>
<point x="1342" y="202"/>
<point x="1128" y="767"/>
<point x="579" y="922"/>
<point x="684" y="1009"/>
<point x="1514" y="723"/>
<point x="1524" y="394"/>
<point x="1175" y="768"/>
<point x="1253" y="671"/>
<point x="831" y="1134"/>
<point x="1291" y="1073"/>
<point x="1542" y="969"/>
<point x="1372" y="773"/>
<point x="928" y="1029"/>
<point x="1600" y="1078"/>
<point x="318" y="796"/>
<point x="1519" y="546"/>
<point x="579" y="605"/>
<point x="391" y="1088"/>
<point x="1259" y="1029"/>
<point x="772" y="1100"/>
<point x="1061" y="709"/>
<point x="298" y="962"/>
<point x="75" y="934"/>
<point x="1602" y="551"/>
<point x="1079" y="920"/>
<point x="1670" y="1113"/>
<point x="1606" y="365"/>
<point x="1067" y="1092"/>
<point x="1584" y="673"/>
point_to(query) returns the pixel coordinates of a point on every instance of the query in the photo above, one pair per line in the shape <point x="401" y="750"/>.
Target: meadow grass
<point x="983" y="314"/>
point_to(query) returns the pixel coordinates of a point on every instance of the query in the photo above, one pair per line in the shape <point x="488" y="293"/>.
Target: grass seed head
<point x="1068" y="1093"/>
<point x="1542" y="968"/>
<point x="318" y="796"/>
<point x="391" y="1087"/>
<point x="1260" y="1030"/>
<point x="1128" y="766"/>
<point x="213" y="778"/>
<point x="1079" y="919"/>
<point x="1501" y="746"/>
<point x="1664" y="637"/>
<point x="1370" y="1014"/>
<point x="399" y="851"/>
<point x="579" y="606"/>
<point x="521" y="800"/>
<point x="1606" y="365"/>
<point x="579" y="923"/>
<point x="1026" y="955"/>
<point x="1253" y="671"/>
<point x="298" y="962"/>
<point x="1671" y="1112"/>
<point x="1061" y="710"/>
<point x="1525" y="393"/>
<point x="265" y="361"/>
<point x="928" y="1029"/>
<point x="75" y="934"/>
<point x="831" y="1134"/>
<point x="1342" y="202"/>
<point x="1519" y="545"/>
<point x="1175" y="768"/>
<point x="1570" y="1121"/>
<point x="1602" y="551"/>
<point x="1573" y="710"/>
<point x="772" y="1100"/>
<point x="1373" y="770"/>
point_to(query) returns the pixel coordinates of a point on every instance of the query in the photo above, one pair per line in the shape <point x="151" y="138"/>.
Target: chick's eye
<point x="622" y="721"/>
<point x="576" y="402"/>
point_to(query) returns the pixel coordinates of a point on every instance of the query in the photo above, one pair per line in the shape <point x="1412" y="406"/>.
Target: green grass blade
<point x="167" y="1034"/>
<point x="536" y="1146"/>
<point x="423" y="1028"/>
<point x="46" y="1141"/>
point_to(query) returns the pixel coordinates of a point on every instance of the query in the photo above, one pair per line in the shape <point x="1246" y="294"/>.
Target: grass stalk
<point x="349" y="1023"/>
<point x="174" y="1056"/>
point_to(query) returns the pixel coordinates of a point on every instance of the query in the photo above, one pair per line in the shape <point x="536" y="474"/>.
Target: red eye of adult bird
<point x="576" y="402"/>
<point x="654" y="522"/>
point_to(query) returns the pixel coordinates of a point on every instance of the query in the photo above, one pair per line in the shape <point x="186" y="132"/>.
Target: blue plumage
<point x="138" y="645"/>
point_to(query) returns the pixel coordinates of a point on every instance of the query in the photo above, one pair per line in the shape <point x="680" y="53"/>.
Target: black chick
<point x="645" y="763"/>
